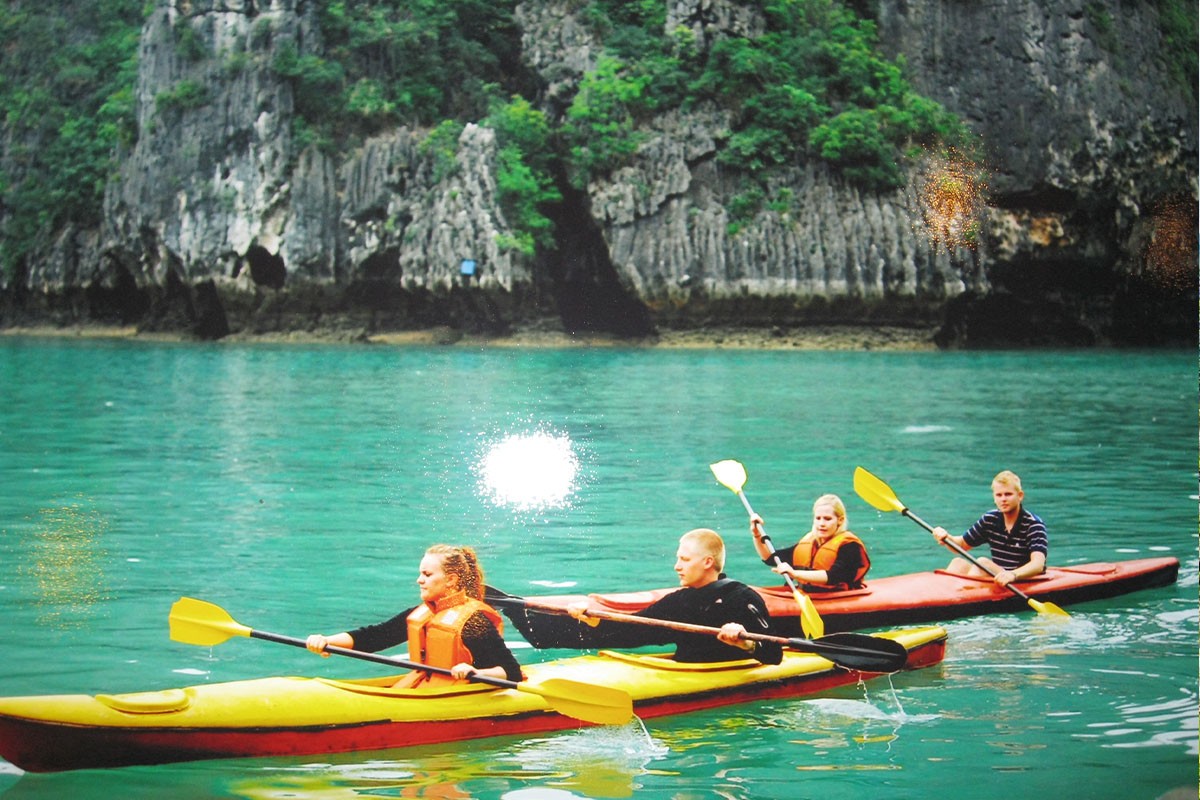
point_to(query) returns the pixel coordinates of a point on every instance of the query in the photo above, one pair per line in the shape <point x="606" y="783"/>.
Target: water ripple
<point x="1146" y="724"/>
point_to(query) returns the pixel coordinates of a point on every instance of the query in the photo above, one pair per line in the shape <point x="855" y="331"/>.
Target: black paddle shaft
<point x="854" y="651"/>
<point x="381" y="659"/>
<point x="950" y="543"/>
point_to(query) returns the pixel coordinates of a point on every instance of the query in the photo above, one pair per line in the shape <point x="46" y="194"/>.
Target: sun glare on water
<point x="530" y="471"/>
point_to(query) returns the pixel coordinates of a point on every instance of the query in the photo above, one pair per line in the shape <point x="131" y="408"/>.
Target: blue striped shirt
<point x="1009" y="550"/>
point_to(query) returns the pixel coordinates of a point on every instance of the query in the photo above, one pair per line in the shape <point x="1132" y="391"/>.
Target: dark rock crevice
<point x="266" y="268"/>
<point x="587" y="291"/>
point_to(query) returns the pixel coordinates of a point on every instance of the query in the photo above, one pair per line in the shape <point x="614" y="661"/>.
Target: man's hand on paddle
<point x="732" y="633"/>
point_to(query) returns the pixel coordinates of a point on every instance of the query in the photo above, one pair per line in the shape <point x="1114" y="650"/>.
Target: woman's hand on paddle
<point x="756" y="527"/>
<point x="940" y="534"/>
<point x="463" y="671"/>
<point x="786" y="569"/>
<point x="317" y="643"/>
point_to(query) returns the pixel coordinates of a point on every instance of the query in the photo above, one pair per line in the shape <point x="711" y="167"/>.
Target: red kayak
<point x="899" y="600"/>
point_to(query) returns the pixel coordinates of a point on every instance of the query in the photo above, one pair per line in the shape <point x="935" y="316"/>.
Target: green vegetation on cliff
<point x="1179" y="32"/>
<point x="414" y="62"/>
<point x="67" y="75"/>
<point x="811" y="86"/>
<point x="808" y="85"/>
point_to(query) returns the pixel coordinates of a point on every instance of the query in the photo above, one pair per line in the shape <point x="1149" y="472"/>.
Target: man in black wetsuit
<point x="706" y="597"/>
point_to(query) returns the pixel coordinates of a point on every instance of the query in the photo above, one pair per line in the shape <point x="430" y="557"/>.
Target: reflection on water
<point x="598" y="762"/>
<point x="827" y="723"/>
<point x="1170" y="722"/>
<point x="926" y="429"/>
<point x="529" y="471"/>
<point x="602" y="762"/>
<point x="431" y="778"/>
<point x="65" y="564"/>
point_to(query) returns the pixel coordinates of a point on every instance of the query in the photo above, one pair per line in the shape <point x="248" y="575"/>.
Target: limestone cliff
<point x="1093" y="161"/>
<point x="222" y="221"/>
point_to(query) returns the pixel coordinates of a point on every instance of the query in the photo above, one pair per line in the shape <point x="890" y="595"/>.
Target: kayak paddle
<point x="881" y="496"/>
<point x="202" y="623"/>
<point x="732" y="475"/>
<point x="852" y="651"/>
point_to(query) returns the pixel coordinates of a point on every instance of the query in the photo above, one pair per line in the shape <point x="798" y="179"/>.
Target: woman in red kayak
<point x="828" y="558"/>
<point x="452" y="628"/>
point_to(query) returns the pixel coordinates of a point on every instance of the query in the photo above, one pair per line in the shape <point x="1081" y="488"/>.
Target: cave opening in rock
<point x="266" y="268"/>
<point x="117" y="298"/>
<point x="586" y="288"/>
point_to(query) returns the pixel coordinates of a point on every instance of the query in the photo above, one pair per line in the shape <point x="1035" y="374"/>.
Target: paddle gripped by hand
<point x="202" y="623"/>
<point x="732" y="475"/>
<point x="852" y="651"/>
<point x="880" y="495"/>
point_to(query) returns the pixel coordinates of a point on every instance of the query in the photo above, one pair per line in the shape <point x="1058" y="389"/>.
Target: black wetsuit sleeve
<point x="850" y="559"/>
<point x="382" y="635"/>
<point x="488" y="648"/>
<point x="748" y="608"/>
<point x="611" y="633"/>
<point x="786" y="554"/>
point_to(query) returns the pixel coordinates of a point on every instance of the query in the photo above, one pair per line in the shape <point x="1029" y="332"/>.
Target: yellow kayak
<point x="302" y="716"/>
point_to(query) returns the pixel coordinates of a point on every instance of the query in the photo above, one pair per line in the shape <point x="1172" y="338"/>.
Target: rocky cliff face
<point x="1093" y="162"/>
<point x="219" y="221"/>
<point x="218" y="196"/>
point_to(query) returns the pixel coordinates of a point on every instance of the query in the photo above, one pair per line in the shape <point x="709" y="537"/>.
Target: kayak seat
<point x="1099" y="568"/>
<point x="385" y="687"/>
<point x="167" y="701"/>
<point x="1045" y="576"/>
<point x="786" y="593"/>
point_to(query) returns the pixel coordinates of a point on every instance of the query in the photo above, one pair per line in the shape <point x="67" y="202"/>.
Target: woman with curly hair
<point x="451" y="629"/>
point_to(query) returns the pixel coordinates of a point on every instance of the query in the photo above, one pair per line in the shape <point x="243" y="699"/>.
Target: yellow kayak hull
<point x="280" y="716"/>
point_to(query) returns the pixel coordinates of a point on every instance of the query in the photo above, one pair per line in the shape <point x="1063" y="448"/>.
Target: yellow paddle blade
<point x="881" y="496"/>
<point x="875" y="491"/>
<point x="1049" y="609"/>
<point x="730" y="474"/>
<point x="197" y="622"/>
<point x="601" y="705"/>
<point x="810" y="619"/>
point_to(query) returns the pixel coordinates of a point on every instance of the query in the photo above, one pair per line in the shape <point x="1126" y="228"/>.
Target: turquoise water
<point x="297" y="486"/>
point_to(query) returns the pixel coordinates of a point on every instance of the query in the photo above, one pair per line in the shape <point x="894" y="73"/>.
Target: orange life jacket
<point x="435" y="636"/>
<point x="806" y="556"/>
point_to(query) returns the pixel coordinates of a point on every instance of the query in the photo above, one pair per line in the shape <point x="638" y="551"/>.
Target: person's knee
<point x="959" y="566"/>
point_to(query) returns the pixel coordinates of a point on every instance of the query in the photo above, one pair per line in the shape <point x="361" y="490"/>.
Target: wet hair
<point x="1008" y="478"/>
<point x="462" y="563"/>
<point x="708" y="543"/>
<point x="839" y="508"/>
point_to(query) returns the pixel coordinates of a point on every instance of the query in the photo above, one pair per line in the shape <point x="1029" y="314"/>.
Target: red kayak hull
<point x="37" y="746"/>
<point x="914" y="598"/>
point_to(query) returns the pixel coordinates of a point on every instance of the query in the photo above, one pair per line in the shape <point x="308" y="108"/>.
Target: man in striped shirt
<point x="1017" y="538"/>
